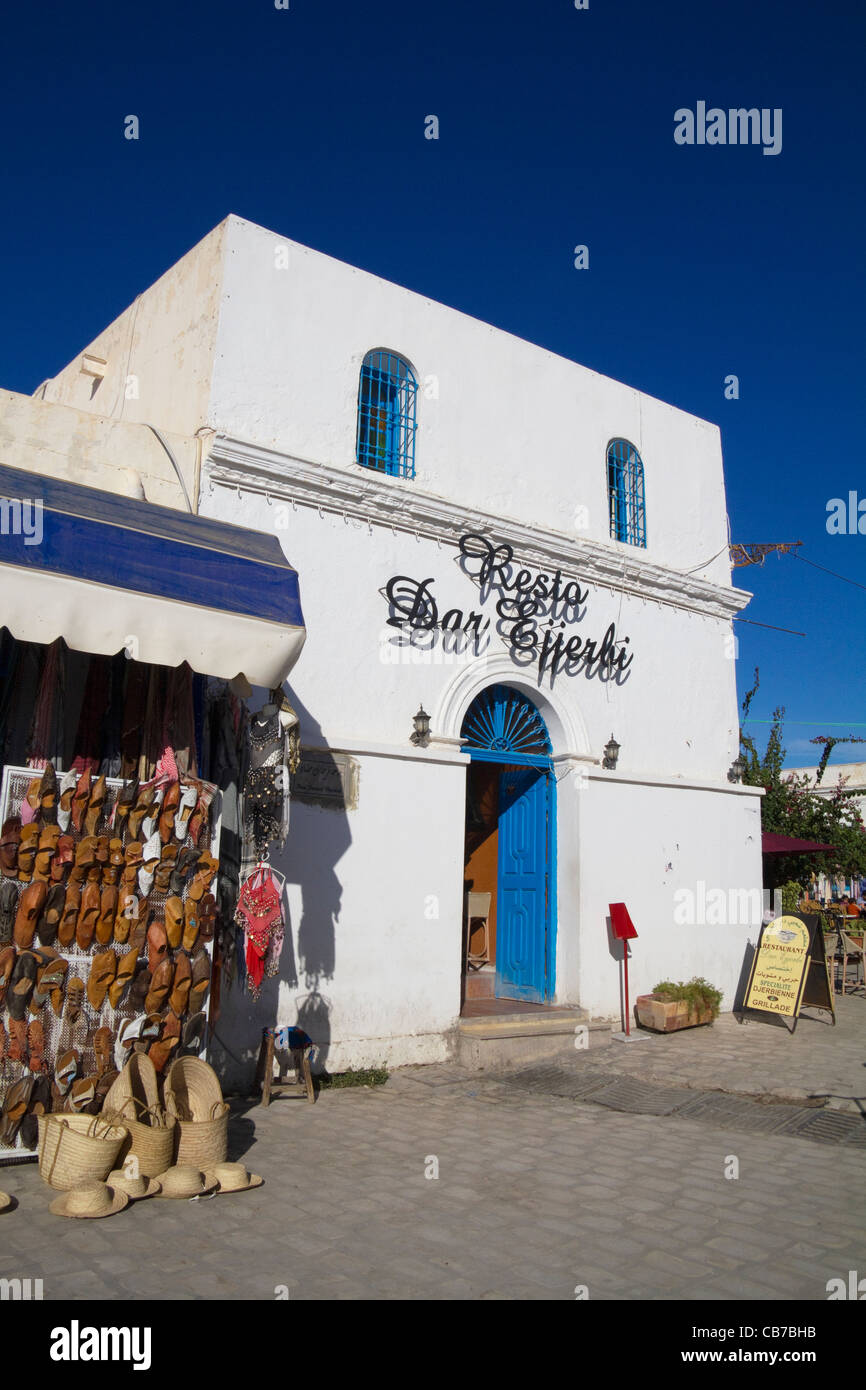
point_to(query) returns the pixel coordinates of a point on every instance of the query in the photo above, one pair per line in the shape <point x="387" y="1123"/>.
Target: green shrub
<point x="699" y="993"/>
<point x="365" y="1076"/>
<point x="792" y="892"/>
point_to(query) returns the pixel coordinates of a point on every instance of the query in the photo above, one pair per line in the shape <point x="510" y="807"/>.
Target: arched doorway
<point x="511" y="844"/>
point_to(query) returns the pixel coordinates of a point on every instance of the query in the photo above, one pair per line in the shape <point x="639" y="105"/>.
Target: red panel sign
<point x="623" y="927"/>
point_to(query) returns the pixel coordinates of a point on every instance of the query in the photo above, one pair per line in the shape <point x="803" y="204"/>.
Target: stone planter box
<point x="664" y="1017"/>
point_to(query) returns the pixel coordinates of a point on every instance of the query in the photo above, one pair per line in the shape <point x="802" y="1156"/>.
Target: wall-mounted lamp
<point x="611" y="753"/>
<point x="737" y="770"/>
<point x="421" y="736"/>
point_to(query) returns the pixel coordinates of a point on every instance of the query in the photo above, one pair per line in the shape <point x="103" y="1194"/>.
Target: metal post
<point x="625" y="959"/>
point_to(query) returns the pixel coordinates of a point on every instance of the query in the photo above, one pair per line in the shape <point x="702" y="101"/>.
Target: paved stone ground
<point x="535" y="1194"/>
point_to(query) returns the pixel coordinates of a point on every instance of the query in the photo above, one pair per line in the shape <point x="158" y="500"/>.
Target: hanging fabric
<point x="46" y="743"/>
<point x="260" y="913"/>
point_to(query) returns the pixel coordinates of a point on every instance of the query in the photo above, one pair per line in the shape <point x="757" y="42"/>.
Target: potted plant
<point x="673" y="1006"/>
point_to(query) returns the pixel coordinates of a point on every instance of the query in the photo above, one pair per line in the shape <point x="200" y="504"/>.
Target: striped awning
<point x="108" y="572"/>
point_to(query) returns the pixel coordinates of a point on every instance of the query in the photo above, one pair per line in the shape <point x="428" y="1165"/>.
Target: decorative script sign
<point x="534" y="613"/>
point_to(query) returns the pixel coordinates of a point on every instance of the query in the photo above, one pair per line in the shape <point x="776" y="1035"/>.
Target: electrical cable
<point x="844" y="578"/>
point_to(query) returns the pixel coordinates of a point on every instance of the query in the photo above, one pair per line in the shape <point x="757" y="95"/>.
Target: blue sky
<point x="556" y="128"/>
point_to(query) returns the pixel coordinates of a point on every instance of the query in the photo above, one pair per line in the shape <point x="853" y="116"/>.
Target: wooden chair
<point x="478" y="910"/>
<point x="852" y="950"/>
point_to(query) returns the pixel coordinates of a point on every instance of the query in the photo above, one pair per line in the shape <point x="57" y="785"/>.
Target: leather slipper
<point x="7" y="966"/>
<point x="48" y="795"/>
<point x="68" y="783"/>
<point x="50" y="980"/>
<point x="103" y="1049"/>
<point x="4" y="1041"/>
<point x="125" y="972"/>
<point x="193" y="1032"/>
<point x="29" y="909"/>
<point x="143" y="802"/>
<point x="129" y="905"/>
<point x="49" y="917"/>
<point x="160" y="1051"/>
<point x="190" y="924"/>
<point x="124" y="804"/>
<point x="174" y="922"/>
<point x="36" y="1046"/>
<point x="17" y="1040"/>
<point x="8" y="909"/>
<point x="82" y="1093"/>
<point x="81" y="800"/>
<point x="164" y="869"/>
<point x="170" y="804"/>
<point x="207" y="917"/>
<point x="207" y="867"/>
<point x="14" y="1109"/>
<point x="69" y="918"/>
<point x="186" y="858"/>
<point x="150" y="824"/>
<point x="157" y="946"/>
<point x="66" y="1070"/>
<point x="49" y="839"/>
<point x="181" y="985"/>
<point x="10" y="839"/>
<point x="74" y="998"/>
<point x="149" y="861"/>
<point x="39" y="1104"/>
<point x="186" y="805"/>
<point x="200" y="982"/>
<point x="88" y="915"/>
<point x="21" y="985"/>
<point x="45" y="957"/>
<point x="111" y="872"/>
<point x="159" y="986"/>
<point x="138" y="990"/>
<point x="85" y="859"/>
<point x="102" y="972"/>
<point x="27" y="847"/>
<point x="63" y="855"/>
<point x="107" y="914"/>
<point x="95" y="807"/>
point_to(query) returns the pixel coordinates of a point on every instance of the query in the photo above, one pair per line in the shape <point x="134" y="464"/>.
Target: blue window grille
<point x="386" y="415"/>
<point x="625" y="492"/>
<point x="504" y="726"/>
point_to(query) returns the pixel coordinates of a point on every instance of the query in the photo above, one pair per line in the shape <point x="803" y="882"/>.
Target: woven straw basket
<point x="75" y="1149"/>
<point x="202" y="1143"/>
<point x="150" y="1135"/>
<point x="193" y="1093"/>
<point x="192" y="1089"/>
<point x="138" y="1080"/>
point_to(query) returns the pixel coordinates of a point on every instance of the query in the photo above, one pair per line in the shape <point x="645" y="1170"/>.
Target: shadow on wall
<point x="319" y="835"/>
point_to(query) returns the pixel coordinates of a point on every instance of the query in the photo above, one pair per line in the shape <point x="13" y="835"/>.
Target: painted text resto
<point x="534" y="611"/>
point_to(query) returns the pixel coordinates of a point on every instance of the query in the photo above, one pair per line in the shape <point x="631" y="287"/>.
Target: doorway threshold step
<point x="523" y="1024"/>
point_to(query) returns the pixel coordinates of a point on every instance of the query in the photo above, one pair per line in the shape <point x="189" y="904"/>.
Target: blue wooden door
<point x="522" y="895"/>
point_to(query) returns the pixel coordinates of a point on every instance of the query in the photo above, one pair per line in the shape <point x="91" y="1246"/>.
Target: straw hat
<point x="183" y="1181"/>
<point x="135" y="1188"/>
<point x="5" y="1201"/>
<point x="90" y="1200"/>
<point x="233" y="1177"/>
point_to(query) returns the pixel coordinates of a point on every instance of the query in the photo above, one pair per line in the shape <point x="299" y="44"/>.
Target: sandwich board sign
<point x="789" y="970"/>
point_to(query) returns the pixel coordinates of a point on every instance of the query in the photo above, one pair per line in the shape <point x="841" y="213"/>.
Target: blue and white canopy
<point x="107" y="572"/>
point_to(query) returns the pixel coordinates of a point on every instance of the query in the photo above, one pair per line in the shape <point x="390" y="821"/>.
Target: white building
<point x="251" y="350"/>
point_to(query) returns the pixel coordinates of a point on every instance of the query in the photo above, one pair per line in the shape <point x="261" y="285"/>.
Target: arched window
<point x="503" y="725"/>
<point x="386" y="414"/>
<point x="625" y="493"/>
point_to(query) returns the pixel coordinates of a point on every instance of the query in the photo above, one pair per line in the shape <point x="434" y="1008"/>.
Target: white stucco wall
<point x="77" y="446"/>
<point x="515" y="429"/>
<point x="391" y="991"/>
<point x="159" y="351"/>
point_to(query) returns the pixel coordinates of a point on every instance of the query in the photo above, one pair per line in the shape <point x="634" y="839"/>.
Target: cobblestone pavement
<point x="757" y="1057"/>
<point x="535" y="1196"/>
